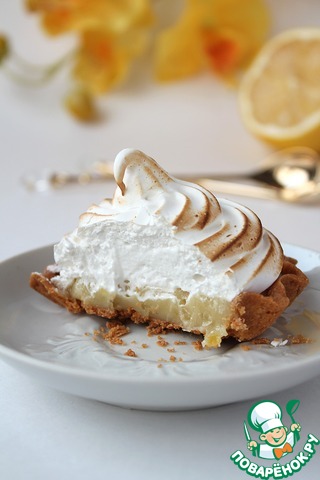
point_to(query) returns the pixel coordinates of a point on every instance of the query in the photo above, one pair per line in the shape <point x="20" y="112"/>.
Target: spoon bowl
<point x="291" y="174"/>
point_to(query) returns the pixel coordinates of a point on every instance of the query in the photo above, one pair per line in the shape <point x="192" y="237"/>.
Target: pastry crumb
<point x="246" y="348"/>
<point x="281" y="342"/>
<point x="155" y="328"/>
<point x="115" y="332"/>
<point x="180" y="342"/>
<point x="130" y="353"/>
<point x="261" y="341"/>
<point x="299" y="339"/>
<point x="171" y="350"/>
<point x="145" y="345"/>
<point x="173" y="358"/>
<point x="114" y="323"/>
<point x="116" y="341"/>
<point x="197" y="345"/>
<point x="162" y="342"/>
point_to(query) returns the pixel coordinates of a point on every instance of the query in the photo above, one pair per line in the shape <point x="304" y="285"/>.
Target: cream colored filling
<point x="209" y="316"/>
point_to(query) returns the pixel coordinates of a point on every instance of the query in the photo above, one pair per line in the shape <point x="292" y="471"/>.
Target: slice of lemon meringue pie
<point x="169" y="252"/>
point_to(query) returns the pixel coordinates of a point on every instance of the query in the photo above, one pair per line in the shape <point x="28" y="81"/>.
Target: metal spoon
<point x="291" y="175"/>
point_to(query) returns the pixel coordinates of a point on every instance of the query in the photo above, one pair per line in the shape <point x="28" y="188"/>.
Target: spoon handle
<point x="235" y="187"/>
<point x="242" y="185"/>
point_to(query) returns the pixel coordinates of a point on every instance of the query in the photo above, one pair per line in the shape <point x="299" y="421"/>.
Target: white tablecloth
<point x="192" y="126"/>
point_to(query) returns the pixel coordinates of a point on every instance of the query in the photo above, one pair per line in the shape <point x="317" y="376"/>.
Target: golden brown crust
<point x="42" y="284"/>
<point x="252" y="313"/>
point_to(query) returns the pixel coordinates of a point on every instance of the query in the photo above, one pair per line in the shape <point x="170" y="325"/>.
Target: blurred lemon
<point x="280" y="92"/>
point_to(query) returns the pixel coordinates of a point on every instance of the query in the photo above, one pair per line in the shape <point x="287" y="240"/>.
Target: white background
<point x="192" y="126"/>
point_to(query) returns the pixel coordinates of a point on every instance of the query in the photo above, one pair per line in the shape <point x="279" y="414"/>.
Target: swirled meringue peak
<point x="168" y="240"/>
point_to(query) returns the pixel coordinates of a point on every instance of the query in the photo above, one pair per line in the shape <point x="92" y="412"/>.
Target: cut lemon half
<point x="280" y="93"/>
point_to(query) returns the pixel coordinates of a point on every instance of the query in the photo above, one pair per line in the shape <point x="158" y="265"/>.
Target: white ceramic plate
<point x="59" y="350"/>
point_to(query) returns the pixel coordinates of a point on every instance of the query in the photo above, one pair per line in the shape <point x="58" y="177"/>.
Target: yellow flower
<point x="221" y="34"/>
<point x="4" y="48"/>
<point x="103" y="59"/>
<point x="60" y="16"/>
<point x="81" y="105"/>
<point x="111" y="33"/>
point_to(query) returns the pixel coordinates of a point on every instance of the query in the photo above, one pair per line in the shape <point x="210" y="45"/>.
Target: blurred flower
<point x="80" y="104"/>
<point x="60" y="16"/>
<point x="103" y="59"/>
<point x="222" y="34"/>
<point x="111" y="34"/>
<point x="4" y="47"/>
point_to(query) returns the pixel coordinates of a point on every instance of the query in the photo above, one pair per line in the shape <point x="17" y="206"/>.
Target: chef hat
<point x="265" y="416"/>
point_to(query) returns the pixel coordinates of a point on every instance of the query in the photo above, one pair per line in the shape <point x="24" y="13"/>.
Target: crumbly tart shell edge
<point x="251" y="313"/>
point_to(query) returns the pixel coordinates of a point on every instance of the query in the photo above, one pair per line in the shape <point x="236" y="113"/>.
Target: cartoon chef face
<point x="274" y="437"/>
<point x="266" y="418"/>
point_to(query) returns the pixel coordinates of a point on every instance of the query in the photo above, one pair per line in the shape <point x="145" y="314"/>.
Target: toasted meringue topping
<point x="228" y="234"/>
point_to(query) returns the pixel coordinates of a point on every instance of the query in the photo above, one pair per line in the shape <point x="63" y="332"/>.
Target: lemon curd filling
<point x="197" y="313"/>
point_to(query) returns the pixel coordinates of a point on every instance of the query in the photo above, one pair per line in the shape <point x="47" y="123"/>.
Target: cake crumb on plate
<point x="131" y="353"/>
